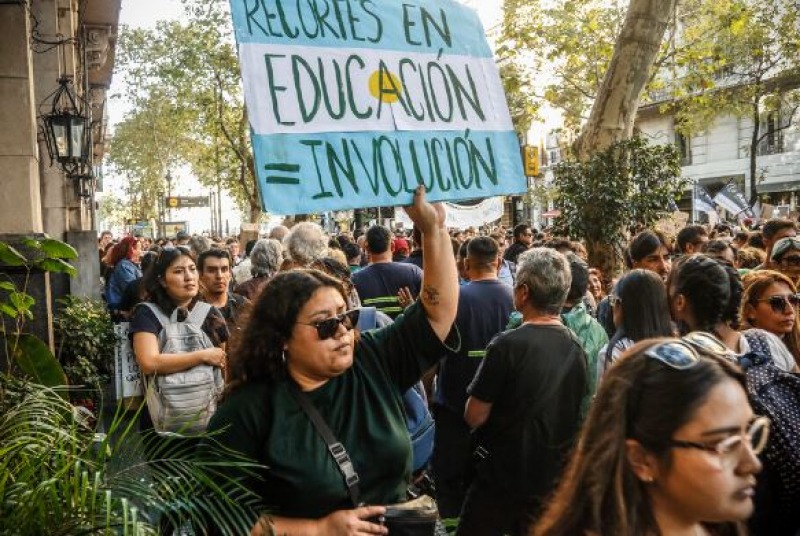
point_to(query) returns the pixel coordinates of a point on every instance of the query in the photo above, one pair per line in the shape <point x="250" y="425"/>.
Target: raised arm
<point x="439" y="293"/>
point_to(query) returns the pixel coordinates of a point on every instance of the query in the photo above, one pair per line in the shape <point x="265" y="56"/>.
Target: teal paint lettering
<point x="429" y="22"/>
<point x="308" y="33"/>
<point x="403" y="63"/>
<point x="356" y="112"/>
<point x="491" y="168"/>
<point x="322" y="18"/>
<point x="274" y="88"/>
<point x="353" y="20"/>
<point x="339" y="19"/>
<point x="327" y="88"/>
<point x="377" y="153"/>
<point x="412" y="148"/>
<point x="384" y="75"/>
<point x="426" y="94"/>
<point x="448" y="117"/>
<point x="452" y="163"/>
<point x="461" y="93"/>
<point x="337" y="167"/>
<point x="373" y="177"/>
<point x="378" y="35"/>
<point x="289" y="31"/>
<point x="437" y="166"/>
<point x="308" y="115"/>
<point x="313" y="144"/>
<point x="407" y="24"/>
<point x="461" y="143"/>
<point x="270" y="17"/>
<point x="250" y="13"/>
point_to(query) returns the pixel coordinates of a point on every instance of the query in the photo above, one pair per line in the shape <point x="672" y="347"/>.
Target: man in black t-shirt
<point x="378" y="283"/>
<point x="525" y="402"/>
<point x="484" y="305"/>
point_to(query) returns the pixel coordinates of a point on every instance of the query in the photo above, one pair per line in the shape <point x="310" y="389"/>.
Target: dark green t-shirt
<point x="363" y="407"/>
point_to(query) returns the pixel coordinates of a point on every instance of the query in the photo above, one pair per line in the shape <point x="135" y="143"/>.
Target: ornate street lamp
<point x="67" y="128"/>
<point x="84" y="181"/>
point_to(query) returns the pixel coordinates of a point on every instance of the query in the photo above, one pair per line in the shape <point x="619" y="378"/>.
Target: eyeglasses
<point x="675" y="354"/>
<point x="791" y="260"/>
<point x="731" y="448"/>
<point x="327" y="328"/>
<point x="779" y="303"/>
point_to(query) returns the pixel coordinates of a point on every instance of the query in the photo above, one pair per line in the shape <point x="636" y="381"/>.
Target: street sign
<point x="186" y="202"/>
<point x="530" y="157"/>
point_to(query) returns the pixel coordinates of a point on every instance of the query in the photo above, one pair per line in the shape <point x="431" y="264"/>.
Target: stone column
<point x="20" y="201"/>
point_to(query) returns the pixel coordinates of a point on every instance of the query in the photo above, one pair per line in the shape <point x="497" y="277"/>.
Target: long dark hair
<point x="706" y="285"/>
<point x="599" y="493"/>
<point x="645" y="307"/>
<point x="154" y="291"/>
<point x="258" y="355"/>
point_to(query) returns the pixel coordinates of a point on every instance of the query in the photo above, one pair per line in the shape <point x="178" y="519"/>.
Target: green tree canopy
<point x="184" y="76"/>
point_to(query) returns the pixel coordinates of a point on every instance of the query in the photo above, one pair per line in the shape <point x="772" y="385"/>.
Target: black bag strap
<point x="335" y="448"/>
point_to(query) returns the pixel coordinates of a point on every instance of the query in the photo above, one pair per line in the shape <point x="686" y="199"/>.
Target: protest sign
<point x="127" y="379"/>
<point x="460" y="216"/>
<point x="353" y="103"/>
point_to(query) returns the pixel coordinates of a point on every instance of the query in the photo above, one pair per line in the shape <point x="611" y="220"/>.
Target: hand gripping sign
<point x="353" y="103"/>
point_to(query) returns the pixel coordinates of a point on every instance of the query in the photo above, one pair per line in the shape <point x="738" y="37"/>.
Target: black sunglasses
<point x="327" y="328"/>
<point x="779" y="303"/>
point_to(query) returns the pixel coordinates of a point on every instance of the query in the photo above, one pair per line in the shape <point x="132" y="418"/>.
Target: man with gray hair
<point x="525" y="403"/>
<point x="265" y="259"/>
<point x="305" y="243"/>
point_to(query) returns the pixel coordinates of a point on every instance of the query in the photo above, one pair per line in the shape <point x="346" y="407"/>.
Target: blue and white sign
<point x="353" y="103"/>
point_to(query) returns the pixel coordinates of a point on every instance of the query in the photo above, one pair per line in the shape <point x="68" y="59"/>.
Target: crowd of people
<point x="566" y="401"/>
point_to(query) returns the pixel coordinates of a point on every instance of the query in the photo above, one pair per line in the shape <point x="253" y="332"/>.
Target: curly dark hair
<point x="258" y="354"/>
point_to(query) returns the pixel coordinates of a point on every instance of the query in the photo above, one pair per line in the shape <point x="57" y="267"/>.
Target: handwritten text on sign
<point x="354" y="103"/>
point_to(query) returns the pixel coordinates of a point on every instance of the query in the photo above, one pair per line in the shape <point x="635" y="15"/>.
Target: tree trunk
<point x="602" y="255"/>
<point x="614" y="110"/>
<point x="754" y="139"/>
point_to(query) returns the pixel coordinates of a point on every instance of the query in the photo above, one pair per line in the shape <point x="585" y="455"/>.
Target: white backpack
<point x="182" y="403"/>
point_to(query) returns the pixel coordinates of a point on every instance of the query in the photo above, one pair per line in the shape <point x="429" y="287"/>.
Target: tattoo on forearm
<point x="431" y="295"/>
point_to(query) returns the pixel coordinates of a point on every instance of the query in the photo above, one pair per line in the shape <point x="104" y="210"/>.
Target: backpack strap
<point x="335" y="448"/>
<point x="198" y="313"/>
<point x="159" y="314"/>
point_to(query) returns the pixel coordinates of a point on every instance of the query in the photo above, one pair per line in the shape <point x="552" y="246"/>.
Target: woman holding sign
<point x="299" y="359"/>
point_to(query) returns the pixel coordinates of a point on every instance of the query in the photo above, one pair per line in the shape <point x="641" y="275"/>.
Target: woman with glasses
<point x="770" y="302"/>
<point x="670" y="447"/>
<point x="785" y="258"/>
<point x="705" y="296"/>
<point x="641" y="311"/>
<point x="300" y="345"/>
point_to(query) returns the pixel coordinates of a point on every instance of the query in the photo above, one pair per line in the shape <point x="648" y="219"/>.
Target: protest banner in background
<point x="460" y="216"/>
<point x="353" y="103"/>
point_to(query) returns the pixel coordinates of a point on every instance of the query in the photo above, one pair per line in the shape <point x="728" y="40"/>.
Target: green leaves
<point x="10" y="256"/>
<point x="631" y="183"/>
<point x="36" y="360"/>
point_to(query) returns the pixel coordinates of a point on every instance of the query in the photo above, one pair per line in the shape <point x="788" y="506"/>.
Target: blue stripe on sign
<point x="411" y="25"/>
<point x="337" y="171"/>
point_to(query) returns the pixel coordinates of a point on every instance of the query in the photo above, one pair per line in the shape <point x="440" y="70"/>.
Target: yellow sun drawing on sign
<point x="392" y="87"/>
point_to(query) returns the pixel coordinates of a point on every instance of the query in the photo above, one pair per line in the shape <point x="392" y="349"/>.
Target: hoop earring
<point x="283" y="356"/>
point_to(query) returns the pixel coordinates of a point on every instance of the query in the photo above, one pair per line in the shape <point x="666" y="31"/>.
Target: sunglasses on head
<point x="327" y="328"/>
<point x="779" y="303"/>
<point x="676" y="354"/>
